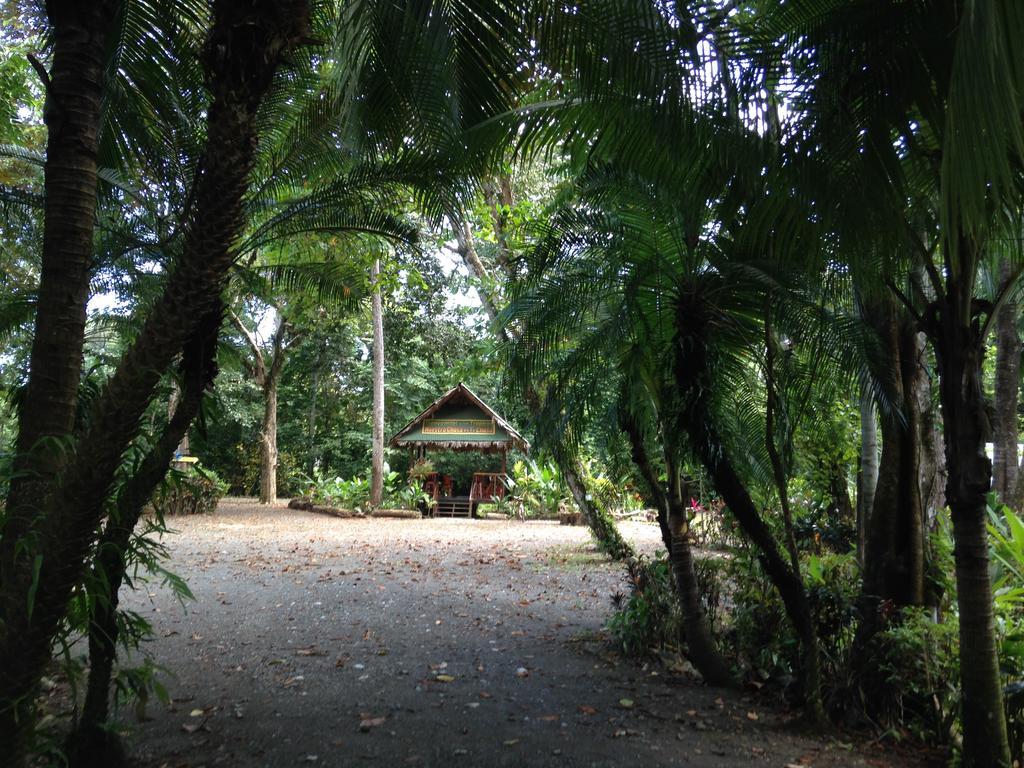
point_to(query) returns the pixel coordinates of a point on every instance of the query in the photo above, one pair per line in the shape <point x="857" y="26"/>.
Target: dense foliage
<point x="748" y="264"/>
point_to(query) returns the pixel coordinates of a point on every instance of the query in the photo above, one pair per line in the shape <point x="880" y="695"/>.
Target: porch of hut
<point x="460" y="421"/>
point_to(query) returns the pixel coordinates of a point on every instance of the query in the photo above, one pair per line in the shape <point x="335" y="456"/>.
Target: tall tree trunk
<point x="268" y="431"/>
<point x="377" y="471"/>
<point x="894" y="553"/>
<point x="267" y="378"/>
<point x="467" y="250"/>
<point x="74" y="93"/>
<point x="268" y="444"/>
<point x="599" y="520"/>
<point x="1008" y="349"/>
<point x="93" y="744"/>
<point x="960" y="350"/>
<point x="779" y="472"/>
<point x="246" y="44"/>
<point x="311" y="418"/>
<point x="498" y="195"/>
<point x="704" y="651"/>
<point x="675" y="533"/>
<point x="867" y="473"/>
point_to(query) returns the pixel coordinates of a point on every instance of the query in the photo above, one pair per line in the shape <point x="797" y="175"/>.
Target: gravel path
<point x="321" y="641"/>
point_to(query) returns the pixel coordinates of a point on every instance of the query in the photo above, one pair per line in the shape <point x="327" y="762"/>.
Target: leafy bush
<point x="351" y="494"/>
<point x="535" y="489"/>
<point x="920" y="661"/>
<point x="648" y="618"/>
<point x="399" y="494"/>
<point x="195" y="491"/>
<point x="614" y="495"/>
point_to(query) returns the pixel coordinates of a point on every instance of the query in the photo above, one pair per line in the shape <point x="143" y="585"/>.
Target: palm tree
<point x="239" y="60"/>
<point x="631" y="266"/>
<point x="35" y="587"/>
<point x="897" y="101"/>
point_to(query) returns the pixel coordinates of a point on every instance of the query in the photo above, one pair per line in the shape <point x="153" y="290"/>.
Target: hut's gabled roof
<point x="459" y="420"/>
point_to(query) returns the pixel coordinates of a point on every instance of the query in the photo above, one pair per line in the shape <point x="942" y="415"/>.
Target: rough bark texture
<point x="600" y="521"/>
<point x="93" y="744"/>
<point x="1004" y="428"/>
<point x="701" y="642"/>
<point x="960" y="348"/>
<point x="74" y="93"/>
<point x="267" y="379"/>
<point x="467" y="250"/>
<point x="268" y="443"/>
<point x="377" y="469"/>
<point x="498" y="195"/>
<point x="247" y="43"/>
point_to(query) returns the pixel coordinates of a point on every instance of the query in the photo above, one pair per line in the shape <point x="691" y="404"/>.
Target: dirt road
<point x="320" y="641"/>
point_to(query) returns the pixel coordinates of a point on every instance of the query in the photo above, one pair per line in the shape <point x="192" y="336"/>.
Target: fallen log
<point x="404" y="514"/>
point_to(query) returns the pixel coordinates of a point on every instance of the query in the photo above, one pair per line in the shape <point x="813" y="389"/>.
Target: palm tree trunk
<point x="74" y="93"/>
<point x="246" y="45"/>
<point x="894" y="553"/>
<point x="699" y="638"/>
<point x="1008" y="349"/>
<point x="694" y="418"/>
<point x="377" y="470"/>
<point x="642" y="461"/>
<point x="92" y="744"/>
<point x="674" y="524"/>
<point x="779" y="473"/>
<point x="960" y="350"/>
<point x="599" y="520"/>
<point x="789" y="585"/>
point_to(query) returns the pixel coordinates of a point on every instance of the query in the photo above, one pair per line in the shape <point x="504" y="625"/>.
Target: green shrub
<point x="919" y="660"/>
<point x="351" y="494"/>
<point x="408" y="494"/>
<point x="614" y="495"/>
<point x="195" y="491"/>
<point x="648" y="618"/>
<point x="535" y="489"/>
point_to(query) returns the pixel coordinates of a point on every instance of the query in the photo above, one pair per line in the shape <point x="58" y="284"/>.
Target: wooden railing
<point x="488" y="486"/>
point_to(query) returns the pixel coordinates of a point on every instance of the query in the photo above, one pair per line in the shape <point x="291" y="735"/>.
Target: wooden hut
<point x="460" y="421"/>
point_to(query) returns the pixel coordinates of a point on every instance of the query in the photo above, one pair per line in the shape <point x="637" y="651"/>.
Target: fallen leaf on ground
<point x="626" y="703"/>
<point x="752" y="716"/>
<point x="371" y="722"/>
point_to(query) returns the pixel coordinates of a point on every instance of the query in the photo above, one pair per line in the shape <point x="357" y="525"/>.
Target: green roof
<point x="459" y="420"/>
